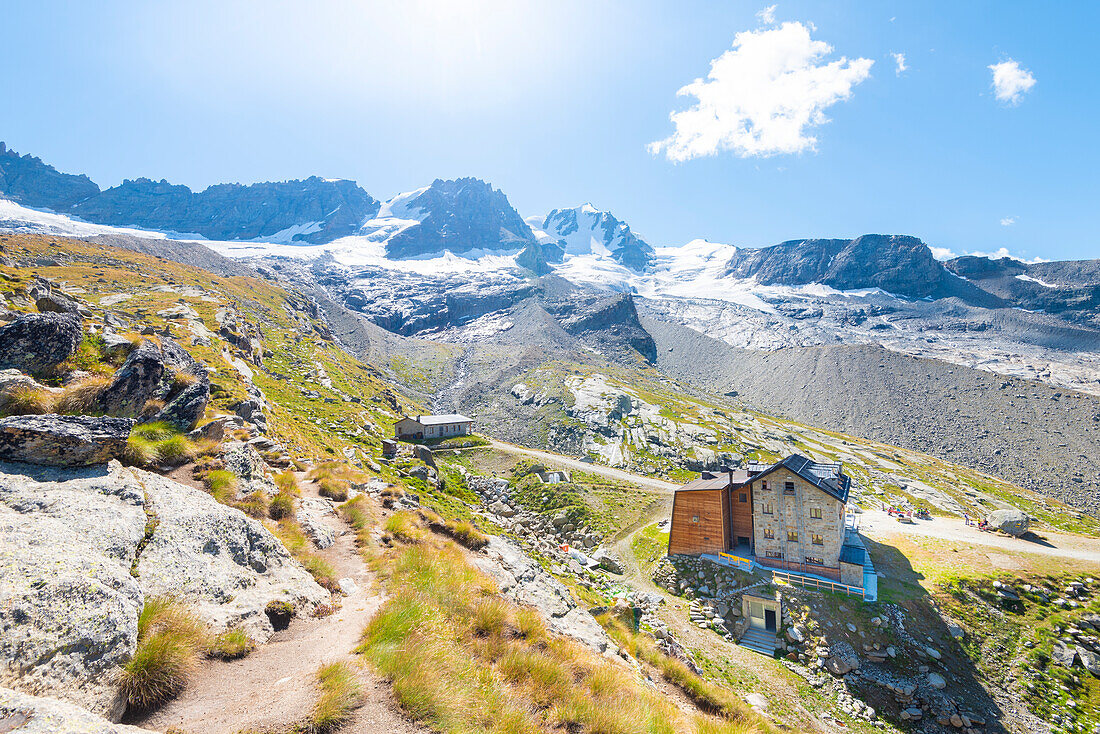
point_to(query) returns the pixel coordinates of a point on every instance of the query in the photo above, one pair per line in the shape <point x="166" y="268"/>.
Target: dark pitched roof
<point x="827" y="477"/>
<point x="720" y="482"/>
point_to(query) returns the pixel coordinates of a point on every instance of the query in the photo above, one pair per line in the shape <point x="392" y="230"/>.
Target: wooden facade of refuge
<point x="428" y="427"/>
<point x="788" y="516"/>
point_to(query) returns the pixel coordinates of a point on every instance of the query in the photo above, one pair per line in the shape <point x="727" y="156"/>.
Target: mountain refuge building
<point x="788" y="518"/>
<point x="428" y="427"/>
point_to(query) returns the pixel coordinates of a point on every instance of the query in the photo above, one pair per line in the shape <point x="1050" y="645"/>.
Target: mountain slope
<point x="1030" y="433"/>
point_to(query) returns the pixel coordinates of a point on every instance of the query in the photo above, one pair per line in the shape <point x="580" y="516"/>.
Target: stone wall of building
<point x="793" y="512"/>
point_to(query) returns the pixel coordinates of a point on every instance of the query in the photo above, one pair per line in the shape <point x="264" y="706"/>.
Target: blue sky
<point x="558" y="103"/>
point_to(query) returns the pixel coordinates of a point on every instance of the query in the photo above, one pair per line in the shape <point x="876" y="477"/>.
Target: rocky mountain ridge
<point x="585" y="230"/>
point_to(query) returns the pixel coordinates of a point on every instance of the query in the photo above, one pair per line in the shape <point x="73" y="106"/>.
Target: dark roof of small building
<point x="719" y="482"/>
<point x="437" y="420"/>
<point x="827" y="477"/>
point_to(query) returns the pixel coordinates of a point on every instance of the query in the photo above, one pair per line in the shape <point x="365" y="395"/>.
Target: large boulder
<point x="1012" y="522"/>
<point x="35" y="342"/>
<point x="252" y="472"/>
<point x="78" y="562"/>
<point x="45" y="715"/>
<point x="608" y="561"/>
<point x="68" y="603"/>
<point x="225" y="564"/>
<point x="185" y="410"/>
<point x="136" y="382"/>
<point x="63" y="440"/>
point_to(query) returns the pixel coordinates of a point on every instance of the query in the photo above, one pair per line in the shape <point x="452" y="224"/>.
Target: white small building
<point x="427" y="427"/>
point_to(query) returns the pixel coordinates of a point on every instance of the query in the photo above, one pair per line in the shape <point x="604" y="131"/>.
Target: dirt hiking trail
<point x="274" y="687"/>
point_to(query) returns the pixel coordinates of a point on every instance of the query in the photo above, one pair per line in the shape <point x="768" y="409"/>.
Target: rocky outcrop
<point x="185" y="410"/>
<point x="523" y="581"/>
<point x="63" y="440"/>
<point x="136" y="382"/>
<point x="895" y="263"/>
<point x="35" y="342"/>
<point x="225" y="564"/>
<point x="249" y="467"/>
<point x="610" y="321"/>
<point x="28" y="714"/>
<point x="79" y="560"/>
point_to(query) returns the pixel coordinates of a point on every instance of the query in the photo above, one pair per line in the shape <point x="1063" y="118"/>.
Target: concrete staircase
<point x="759" y="640"/>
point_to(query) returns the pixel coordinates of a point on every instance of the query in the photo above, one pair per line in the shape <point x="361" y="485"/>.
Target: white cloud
<point x="1010" y="82"/>
<point x="767" y="15"/>
<point x="942" y="253"/>
<point x="761" y="96"/>
<point x="1008" y="221"/>
<point x="1003" y="252"/>
<point x="899" y="61"/>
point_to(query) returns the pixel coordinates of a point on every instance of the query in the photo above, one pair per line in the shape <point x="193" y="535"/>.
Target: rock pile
<point x="508" y="513"/>
<point x="522" y="580"/>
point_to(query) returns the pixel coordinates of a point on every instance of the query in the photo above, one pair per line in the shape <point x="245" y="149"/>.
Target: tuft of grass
<point x="231" y="645"/>
<point x="287" y="483"/>
<point x="27" y="400"/>
<point x="176" y="450"/>
<point x="334" y="489"/>
<point x="154" y="432"/>
<point x="139" y="452"/>
<point x="222" y="484"/>
<point x="341" y="694"/>
<point x="403" y="526"/>
<point x="170" y="641"/>
<point x="321" y="571"/>
<point x="254" y="504"/>
<point x="281" y="507"/>
<point x="464" y="531"/>
<point x="491" y="616"/>
<point x="158" y="444"/>
<point x="83" y="397"/>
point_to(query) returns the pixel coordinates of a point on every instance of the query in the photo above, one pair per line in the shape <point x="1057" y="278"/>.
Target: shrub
<point x="282" y="506"/>
<point x="231" y="645"/>
<point x="27" y="400"/>
<point x="83" y="397"/>
<point x="341" y="693"/>
<point x="170" y="639"/>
